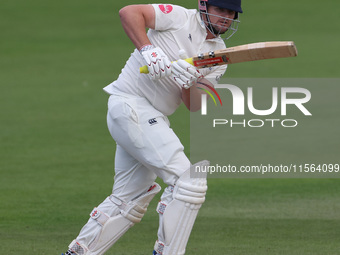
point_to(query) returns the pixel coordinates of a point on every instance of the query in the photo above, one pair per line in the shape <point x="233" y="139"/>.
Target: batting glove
<point x="185" y="74"/>
<point x="158" y="63"/>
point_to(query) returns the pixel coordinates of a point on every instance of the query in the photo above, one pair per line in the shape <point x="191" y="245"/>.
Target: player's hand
<point x="185" y="74"/>
<point x="158" y="63"/>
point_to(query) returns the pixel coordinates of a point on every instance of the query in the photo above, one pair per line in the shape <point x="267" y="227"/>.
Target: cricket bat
<point x="242" y="53"/>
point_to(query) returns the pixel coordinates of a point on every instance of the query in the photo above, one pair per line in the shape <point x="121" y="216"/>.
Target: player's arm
<point x="135" y="19"/>
<point x="191" y="97"/>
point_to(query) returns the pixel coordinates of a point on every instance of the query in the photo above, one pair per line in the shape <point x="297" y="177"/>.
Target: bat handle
<point x="144" y="69"/>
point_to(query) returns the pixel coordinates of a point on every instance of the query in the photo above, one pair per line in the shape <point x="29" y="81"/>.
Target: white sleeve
<point x="169" y="16"/>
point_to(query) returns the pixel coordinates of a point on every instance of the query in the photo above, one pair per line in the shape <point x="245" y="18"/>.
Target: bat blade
<point x="242" y="53"/>
<point x="247" y="52"/>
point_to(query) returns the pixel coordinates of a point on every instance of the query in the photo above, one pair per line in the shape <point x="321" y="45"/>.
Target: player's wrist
<point x="146" y="47"/>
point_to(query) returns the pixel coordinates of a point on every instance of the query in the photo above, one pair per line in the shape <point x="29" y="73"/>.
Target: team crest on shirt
<point x="165" y="8"/>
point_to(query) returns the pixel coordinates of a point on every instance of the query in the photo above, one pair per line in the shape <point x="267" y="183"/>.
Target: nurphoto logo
<point x="295" y="96"/>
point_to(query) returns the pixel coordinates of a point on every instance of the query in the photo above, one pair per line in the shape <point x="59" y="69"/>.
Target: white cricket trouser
<point x="146" y="148"/>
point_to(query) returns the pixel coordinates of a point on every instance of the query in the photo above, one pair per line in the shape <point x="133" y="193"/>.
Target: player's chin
<point x="221" y="29"/>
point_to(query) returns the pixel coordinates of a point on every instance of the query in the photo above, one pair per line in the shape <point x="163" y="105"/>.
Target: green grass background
<point x="56" y="155"/>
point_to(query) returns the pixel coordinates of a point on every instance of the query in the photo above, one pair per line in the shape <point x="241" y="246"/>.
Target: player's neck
<point x="210" y="35"/>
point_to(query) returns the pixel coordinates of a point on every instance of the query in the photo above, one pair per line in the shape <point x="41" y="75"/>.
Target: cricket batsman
<point x="138" y="107"/>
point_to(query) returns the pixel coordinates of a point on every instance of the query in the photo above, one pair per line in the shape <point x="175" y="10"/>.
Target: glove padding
<point x="184" y="73"/>
<point x="158" y="63"/>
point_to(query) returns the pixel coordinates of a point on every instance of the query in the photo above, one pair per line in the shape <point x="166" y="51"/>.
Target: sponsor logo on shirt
<point x="152" y="121"/>
<point x="165" y="8"/>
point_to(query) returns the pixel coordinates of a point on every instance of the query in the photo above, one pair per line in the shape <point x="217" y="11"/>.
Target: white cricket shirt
<point x="175" y="28"/>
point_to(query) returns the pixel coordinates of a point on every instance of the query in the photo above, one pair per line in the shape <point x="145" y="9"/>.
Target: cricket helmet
<point x="233" y="5"/>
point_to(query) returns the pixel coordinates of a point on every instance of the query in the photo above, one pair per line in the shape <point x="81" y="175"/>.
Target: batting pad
<point x="177" y="216"/>
<point x="114" y="227"/>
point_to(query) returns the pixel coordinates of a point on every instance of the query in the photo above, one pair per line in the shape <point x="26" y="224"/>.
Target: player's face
<point x="218" y="18"/>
